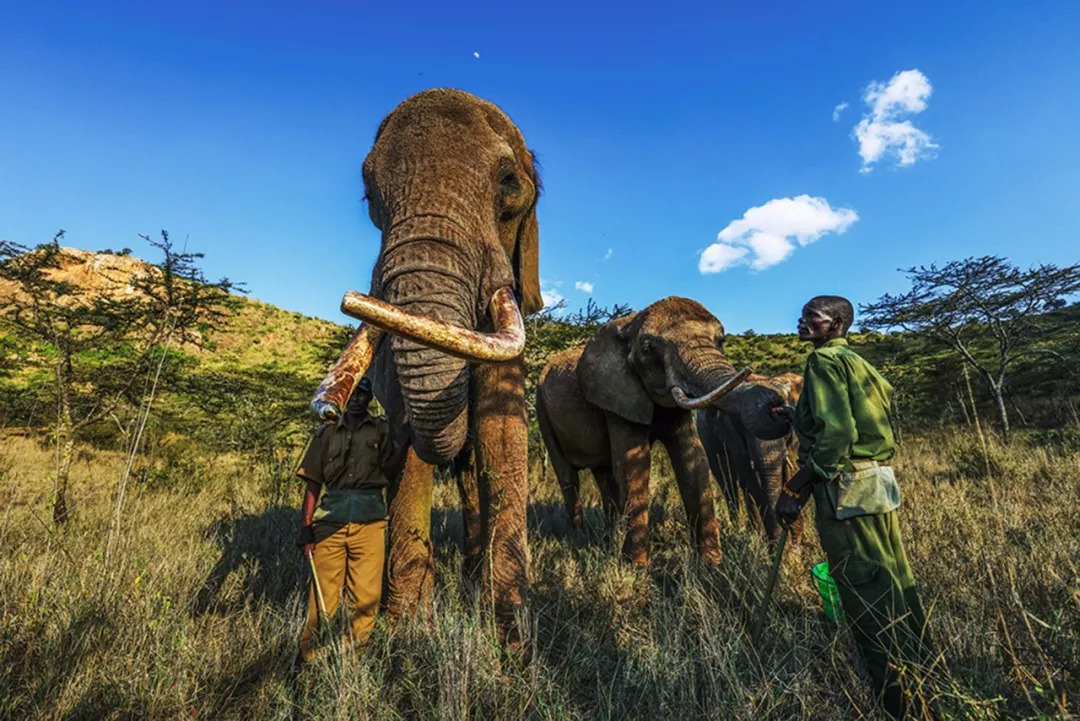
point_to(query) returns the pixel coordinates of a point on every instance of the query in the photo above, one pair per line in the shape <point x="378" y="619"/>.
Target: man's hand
<point x="306" y="541"/>
<point x="793" y="496"/>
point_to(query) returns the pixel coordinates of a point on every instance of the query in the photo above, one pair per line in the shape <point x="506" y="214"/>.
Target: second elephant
<point x="749" y="467"/>
<point x="602" y="405"/>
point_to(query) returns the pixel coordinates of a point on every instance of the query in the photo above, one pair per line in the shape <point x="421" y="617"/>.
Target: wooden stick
<point x="318" y="589"/>
<point x="760" y="625"/>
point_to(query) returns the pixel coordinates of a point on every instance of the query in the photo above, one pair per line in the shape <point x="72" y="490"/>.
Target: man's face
<point x="359" y="401"/>
<point x="814" y="324"/>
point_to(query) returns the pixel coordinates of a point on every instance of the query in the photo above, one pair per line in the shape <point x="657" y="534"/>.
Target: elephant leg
<point x="720" y="465"/>
<point x="566" y="474"/>
<point x="712" y="433"/>
<point x="767" y="477"/>
<point x="631" y="463"/>
<point x="735" y="466"/>
<point x="501" y="437"/>
<point x="410" y="566"/>
<point x="472" y="519"/>
<point x="692" y="476"/>
<point x="612" y="498"/>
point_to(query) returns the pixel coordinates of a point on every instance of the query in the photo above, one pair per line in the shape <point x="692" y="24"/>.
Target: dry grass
<point x="196" y="613"/>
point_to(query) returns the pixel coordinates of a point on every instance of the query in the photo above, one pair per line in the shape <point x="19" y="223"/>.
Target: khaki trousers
<point x="349" y="561"/>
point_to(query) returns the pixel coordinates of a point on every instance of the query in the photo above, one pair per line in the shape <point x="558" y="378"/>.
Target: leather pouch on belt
<point x="864" y="488"/>
<point x="339" y="507"/>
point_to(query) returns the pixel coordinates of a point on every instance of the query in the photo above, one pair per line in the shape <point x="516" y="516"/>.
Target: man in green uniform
<point x="344" y="532"/>
<point x="845" y="445"/>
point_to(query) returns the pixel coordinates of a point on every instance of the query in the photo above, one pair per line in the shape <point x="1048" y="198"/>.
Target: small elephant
<point x="602" y="405"/>
<point x="742" y="462"/>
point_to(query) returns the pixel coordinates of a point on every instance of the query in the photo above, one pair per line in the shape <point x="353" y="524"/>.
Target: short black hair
<point x="836" y="307"/>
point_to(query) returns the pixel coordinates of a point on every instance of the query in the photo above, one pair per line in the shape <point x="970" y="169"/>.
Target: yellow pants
<point x="350" y="560"/>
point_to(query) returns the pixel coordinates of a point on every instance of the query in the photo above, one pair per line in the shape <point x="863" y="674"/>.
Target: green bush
<point x="180" y="465"/>
<point x="1064" y="440"/>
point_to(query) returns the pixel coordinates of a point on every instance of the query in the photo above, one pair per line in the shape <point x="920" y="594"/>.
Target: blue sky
<point x="658" y="127"/>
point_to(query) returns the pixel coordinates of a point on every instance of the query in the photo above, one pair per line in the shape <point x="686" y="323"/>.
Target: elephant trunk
<point x="769" y="463"/>
<point x="433" y="279"/>
<point x="711" y="375"/>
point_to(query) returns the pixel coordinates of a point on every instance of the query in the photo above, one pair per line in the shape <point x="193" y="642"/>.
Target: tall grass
<point x="197" y="614"/>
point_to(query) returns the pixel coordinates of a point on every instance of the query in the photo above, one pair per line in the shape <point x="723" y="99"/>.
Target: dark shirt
<point x="341" y="458"/>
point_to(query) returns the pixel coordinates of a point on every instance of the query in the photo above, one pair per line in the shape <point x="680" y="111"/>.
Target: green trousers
<point x="877" y="589"/>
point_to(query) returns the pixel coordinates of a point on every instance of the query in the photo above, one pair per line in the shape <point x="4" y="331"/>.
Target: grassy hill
<point x="264" y="356"/>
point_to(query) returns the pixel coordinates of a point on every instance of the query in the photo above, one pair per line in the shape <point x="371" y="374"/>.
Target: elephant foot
<point x="577" y="535"/>
<point x="472" y="569"/>
<point x="710" y="556"/>
<point x="400" y="606"/>
<point x="510" y="637"/>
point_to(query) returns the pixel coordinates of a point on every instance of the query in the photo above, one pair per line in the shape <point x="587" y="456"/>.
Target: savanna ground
<point x="190" y="605"/>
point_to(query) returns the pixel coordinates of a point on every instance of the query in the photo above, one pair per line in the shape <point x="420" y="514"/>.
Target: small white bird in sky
<point x="476" y="55"/>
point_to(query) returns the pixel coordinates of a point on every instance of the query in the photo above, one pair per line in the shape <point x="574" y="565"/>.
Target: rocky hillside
<point x="256" y="334"/>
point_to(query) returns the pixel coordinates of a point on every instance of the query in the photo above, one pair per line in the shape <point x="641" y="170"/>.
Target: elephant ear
<point x="607" y="378"/>
<point x="527" y="251"/>
<point x="527" y="263"/>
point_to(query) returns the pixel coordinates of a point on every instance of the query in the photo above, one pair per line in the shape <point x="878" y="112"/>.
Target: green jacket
<point x="845" y="435"/>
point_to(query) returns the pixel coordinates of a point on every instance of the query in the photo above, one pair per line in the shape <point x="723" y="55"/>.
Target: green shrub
<point x="1064" y="440"/>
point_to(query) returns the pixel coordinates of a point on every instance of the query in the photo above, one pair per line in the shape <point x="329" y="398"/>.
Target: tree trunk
<point x="65" y="445"/>
<point x="1003" y="413"/>
<point x="963" y="407"/>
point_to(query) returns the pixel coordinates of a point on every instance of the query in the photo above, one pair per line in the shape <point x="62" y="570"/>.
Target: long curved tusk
<point x="684" y="401"/>
<point x="345" y="374"/>
<point x="505" y="343"/>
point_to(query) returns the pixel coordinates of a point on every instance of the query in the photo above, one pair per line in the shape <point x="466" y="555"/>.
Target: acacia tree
<point x="100" y="336"/>
<point x="986" y="309"/>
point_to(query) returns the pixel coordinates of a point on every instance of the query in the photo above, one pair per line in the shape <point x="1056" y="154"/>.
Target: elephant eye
<point x="509" y="181"/>
<point x="646" y="348"/>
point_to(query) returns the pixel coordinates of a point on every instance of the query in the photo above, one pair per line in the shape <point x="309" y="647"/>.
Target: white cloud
<point x="883" y="131"/>
<point x="584" y="286"/>
<point x="551" y="297"/>
<point x="720" y="256"/>
<point x="837" y="110"/>
<point x="549" y="292"/>
<point x="768" y="234"/>
<point x="608" y="254"/>
<point x="476" y="55"/>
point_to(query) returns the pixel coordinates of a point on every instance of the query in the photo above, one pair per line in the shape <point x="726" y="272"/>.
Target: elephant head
<point x="750" y="467"/>
<point x="453" y="188"/>
<point x="666" y="355"/>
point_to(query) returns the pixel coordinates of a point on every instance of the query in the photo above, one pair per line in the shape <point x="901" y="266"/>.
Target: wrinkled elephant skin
<point x="453" y="187"/>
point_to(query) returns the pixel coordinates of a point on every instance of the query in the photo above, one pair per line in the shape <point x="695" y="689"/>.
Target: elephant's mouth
<point x="505" y="343"/>
<point x="691" y="403"/>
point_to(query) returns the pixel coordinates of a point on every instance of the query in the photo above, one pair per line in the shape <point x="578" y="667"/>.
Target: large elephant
<point x="453" y="187"/>
<point x="751" y="467"/>
<point x="602" y="405"/>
